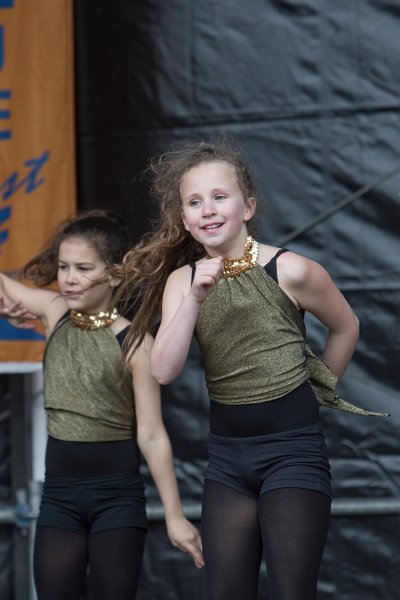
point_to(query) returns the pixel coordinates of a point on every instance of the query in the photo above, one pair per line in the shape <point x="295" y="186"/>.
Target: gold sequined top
<point x="252" y="339"/>
<point x="88" y="396"/>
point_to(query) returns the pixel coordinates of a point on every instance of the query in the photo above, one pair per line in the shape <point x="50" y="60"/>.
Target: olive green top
<point x="88" y="395"/>
<point x="252" y="339"/>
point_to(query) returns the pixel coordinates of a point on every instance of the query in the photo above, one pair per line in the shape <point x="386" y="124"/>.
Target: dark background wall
<point x="311" y="90"/>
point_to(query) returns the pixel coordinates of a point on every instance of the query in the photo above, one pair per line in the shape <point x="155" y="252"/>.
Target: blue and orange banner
<point x="37" y="152"/>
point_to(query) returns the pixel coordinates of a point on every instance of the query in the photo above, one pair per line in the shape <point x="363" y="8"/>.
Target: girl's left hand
<point x="185" y="536"/>
<point x="17" y="315"/>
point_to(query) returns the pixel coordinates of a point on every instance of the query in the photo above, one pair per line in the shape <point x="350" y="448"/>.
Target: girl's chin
<point x="76" y="305"/>
<point x="212" y="240"/>
<point x="72" y="306"/>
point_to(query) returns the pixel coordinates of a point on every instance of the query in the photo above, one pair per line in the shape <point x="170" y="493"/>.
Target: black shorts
<point x="93" y="504"/>
<point x="258" y="464"/>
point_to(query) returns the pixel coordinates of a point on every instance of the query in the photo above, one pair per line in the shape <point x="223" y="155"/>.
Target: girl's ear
<point x="250" y="209"/>
<point x="113" y="282"/>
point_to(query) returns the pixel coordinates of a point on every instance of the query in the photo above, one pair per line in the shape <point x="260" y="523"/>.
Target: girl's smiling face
<point x="78" y="265"/>
<point x="214" y="209"/>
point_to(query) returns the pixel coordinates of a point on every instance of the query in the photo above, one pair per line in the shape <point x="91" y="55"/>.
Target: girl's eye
<point x="220" y="197"/>
<point x="194" y="202"/>
<point x="61" y="267"/>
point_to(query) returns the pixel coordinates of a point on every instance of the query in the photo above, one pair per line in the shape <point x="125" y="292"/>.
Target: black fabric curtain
<point x="311" y="91"/>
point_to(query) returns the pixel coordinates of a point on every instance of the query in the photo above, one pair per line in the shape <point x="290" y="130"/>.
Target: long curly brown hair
<point x="146" y="268"/>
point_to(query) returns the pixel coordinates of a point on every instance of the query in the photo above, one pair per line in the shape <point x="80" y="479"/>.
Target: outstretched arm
<point x="16" y="314"/>
<point x="47" y="305"/>
<point x="181" y="305"/>
<point x="311" y="287"/>
<point x="156" y="448"/>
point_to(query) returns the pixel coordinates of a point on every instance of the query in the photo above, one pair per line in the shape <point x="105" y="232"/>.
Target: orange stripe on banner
<point x="37" y="156"/>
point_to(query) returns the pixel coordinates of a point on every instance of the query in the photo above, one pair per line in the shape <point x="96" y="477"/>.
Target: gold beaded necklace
<point x="235" y="266"/>
<point x="96" y="321"/>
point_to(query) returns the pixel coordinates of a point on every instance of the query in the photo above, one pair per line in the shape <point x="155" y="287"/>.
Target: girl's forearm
<point x="3" y="288"/>
<point x="158" y="456"/>
<point x="339" y="348"/>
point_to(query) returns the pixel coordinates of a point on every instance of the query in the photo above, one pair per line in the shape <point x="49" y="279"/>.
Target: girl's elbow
<point x="356" y="326"/>
<point x="160" y="375"/>
<point x="155" y="369"/>
<point x="162" y="372"/>
<point x="164" y="378"/>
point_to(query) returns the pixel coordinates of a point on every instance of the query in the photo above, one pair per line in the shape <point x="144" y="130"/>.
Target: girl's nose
<point x="208" y="208"/>
<point x="71" y="276"/>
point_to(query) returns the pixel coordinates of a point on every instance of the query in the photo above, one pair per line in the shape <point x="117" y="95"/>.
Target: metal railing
<point x="24" y="515"/>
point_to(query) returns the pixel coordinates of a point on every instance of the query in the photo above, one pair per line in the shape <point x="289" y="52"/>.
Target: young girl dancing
<point x="99" y="415"/>
<point x="267" y="485"/>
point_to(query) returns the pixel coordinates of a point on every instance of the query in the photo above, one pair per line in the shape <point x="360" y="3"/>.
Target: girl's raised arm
<point x="180" y="308"/>
<point x="156" y="448"/>
<point x="46" y="305"/>
<point x="179" y="315"/>
<point x="16" y="314"/>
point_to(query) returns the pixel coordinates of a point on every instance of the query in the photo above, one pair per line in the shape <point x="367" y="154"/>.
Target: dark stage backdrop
<point x="311" y="90"/>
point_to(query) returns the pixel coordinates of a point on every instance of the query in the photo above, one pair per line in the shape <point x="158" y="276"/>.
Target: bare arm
<point x="155" y="446"/>
<point x="47" y="305"/>
<point x="16" y="314"/>
<point x="312" y="289"/>
<point x="181" y="305"/>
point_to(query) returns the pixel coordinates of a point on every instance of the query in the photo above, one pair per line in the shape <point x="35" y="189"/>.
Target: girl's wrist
<point x="175" y="514"/>
<point x="197" y="302"/>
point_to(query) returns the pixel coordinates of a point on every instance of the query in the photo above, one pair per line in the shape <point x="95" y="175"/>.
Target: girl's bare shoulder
<point x="181" y="277"/>
<point x="265" y="253"/>
<point x="296" y="268"/>
<point x="119" y="325"/>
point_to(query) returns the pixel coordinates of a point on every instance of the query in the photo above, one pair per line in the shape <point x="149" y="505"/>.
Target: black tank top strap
<point x="270" y="267"/>
<point x="122" y="335"/>
<point x="192" y="265"/>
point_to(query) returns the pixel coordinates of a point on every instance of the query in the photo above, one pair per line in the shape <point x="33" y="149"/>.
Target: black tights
<point x="114" y="558"/>
<point x="290" y="525"/>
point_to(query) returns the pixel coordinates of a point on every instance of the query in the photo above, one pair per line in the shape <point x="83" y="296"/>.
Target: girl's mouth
<point x="213" y="226"/>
